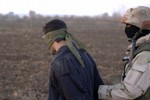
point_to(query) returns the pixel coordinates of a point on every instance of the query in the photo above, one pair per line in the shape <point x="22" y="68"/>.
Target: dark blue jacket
<point x="69" y="80"/>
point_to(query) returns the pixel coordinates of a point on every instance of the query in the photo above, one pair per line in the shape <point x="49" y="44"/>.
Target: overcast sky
<point x="69" y="7"/>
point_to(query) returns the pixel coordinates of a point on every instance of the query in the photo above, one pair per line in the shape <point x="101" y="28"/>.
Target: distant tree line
<point x="33" y="20"/>
<point x="11" y="16"/>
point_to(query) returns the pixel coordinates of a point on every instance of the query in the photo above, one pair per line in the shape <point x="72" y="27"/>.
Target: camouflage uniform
<point x="136" y="84"/>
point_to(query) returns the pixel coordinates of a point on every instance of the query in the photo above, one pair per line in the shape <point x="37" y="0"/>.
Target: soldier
<point x="73" y="72"/>
<point x="135" y="83"/>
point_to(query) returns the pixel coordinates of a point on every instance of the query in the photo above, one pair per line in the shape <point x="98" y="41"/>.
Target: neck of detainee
<point x="58" y="45"/>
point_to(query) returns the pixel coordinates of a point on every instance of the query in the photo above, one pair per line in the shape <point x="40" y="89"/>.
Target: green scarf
<point x="70" y="39"/>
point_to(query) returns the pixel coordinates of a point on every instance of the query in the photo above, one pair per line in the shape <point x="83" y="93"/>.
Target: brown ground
<point x="24" y="57"/>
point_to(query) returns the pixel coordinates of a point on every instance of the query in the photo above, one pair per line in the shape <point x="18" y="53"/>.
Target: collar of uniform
<point x="61" y="51"/>
<point x="140" y="41"/>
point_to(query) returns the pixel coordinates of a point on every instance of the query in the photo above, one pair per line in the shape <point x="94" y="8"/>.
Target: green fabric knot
<point x="72" y="42"/>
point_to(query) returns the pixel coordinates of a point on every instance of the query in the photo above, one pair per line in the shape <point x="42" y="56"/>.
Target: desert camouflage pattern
<point x="136" y="85"/>
<point x="139" y="16"/>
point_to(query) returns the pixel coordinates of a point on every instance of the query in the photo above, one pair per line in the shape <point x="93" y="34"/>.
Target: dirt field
<point x="25" y="59"/>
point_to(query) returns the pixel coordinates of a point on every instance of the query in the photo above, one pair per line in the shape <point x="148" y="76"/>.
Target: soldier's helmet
<point x="139" y="16"/>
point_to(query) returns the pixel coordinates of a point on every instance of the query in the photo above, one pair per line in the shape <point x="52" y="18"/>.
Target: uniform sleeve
<point x="97" y="81"/>
<point x="97" y="78"/>
<point x="53" y="87"/>
<point x="53" y="93"/>
<point x="135" y="84"/>
<point x="69" y="81"/>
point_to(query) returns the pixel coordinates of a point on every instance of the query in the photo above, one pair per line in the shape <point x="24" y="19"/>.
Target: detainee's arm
<point x="97" y="78"/>
<point x="134" y="85"/>
<point x="70" y="81"/>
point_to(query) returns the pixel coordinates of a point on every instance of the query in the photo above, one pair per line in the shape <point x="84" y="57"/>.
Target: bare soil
<point x="25" y="59"/>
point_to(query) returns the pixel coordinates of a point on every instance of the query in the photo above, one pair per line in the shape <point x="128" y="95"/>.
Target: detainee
<point x="73" y="72"/>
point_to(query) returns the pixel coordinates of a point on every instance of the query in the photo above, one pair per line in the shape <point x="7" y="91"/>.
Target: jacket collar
<point x="139" y="42"/>
<point x="61" y="51"/>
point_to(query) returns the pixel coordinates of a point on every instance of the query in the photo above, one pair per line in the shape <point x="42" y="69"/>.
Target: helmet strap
<point x="134" y="39"/>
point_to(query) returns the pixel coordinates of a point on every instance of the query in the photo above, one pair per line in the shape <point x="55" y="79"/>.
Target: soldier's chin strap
<point x="134" y="39"/>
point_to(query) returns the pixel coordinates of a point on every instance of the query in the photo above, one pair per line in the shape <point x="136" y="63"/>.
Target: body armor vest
<point x="144" y="47"/>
